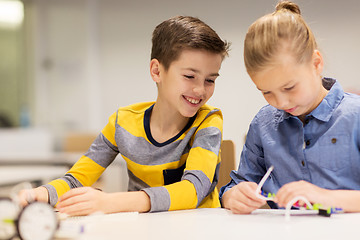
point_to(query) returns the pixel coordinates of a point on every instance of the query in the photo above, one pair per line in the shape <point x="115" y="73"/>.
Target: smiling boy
<point x="171" y="146"/>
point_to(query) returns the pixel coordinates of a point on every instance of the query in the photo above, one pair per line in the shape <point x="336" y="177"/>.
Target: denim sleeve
<point x="252" y="166"/>
<point x="358" y="132"/>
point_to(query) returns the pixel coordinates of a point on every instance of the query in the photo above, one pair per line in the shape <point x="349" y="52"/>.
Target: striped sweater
<point x="180" y="173"/>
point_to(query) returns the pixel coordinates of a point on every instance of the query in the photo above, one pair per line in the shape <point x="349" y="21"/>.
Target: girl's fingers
<point x="295" y="189"/>
<point x="243" y="199"/>
<point x="242" y="208"/>
<point x="249" y="191"/>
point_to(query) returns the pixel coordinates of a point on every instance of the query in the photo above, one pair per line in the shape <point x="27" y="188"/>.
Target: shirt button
<point x="333" y="140"/>
<point x="307" y="142"/>
<point x="303" y="163"/>
<point x="307" y="121"/>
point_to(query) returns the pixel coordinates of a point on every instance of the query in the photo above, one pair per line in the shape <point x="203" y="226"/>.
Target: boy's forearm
<point x="41" y="194"/>
<point x="137" y="201"/>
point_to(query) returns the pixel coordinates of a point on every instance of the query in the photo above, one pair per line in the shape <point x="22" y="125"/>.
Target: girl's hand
<point x="241" y="199"/>
<point x="82" y="201"/>
<point x="311" y="192"/>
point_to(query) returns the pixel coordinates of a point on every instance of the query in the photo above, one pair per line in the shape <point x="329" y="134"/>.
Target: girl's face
<point x="292" y="87"/>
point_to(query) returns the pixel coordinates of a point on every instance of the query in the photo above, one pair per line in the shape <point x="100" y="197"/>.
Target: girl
<point x="309" y="131"/>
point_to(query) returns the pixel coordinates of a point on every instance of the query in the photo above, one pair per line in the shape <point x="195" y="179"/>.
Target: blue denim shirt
<point x="325" y="150"/>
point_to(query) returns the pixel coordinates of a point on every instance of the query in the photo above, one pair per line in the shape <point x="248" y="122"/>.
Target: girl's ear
<point x="318" y="62"/>
<point x="155" y="70"/>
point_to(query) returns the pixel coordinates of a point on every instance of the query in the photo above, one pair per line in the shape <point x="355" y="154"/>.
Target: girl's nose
<point x="282" y="101"/>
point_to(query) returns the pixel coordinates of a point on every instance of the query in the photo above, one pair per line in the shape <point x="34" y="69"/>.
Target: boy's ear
<point x="155" y="70"/>
<point x="318" y="61"/>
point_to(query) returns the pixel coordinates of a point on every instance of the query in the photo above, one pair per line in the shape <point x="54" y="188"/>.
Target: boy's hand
<point x="311" y="192"/>
<point x="26" y="196"/>
<point x="82" y="201"/>
<point x="241" y="199"/>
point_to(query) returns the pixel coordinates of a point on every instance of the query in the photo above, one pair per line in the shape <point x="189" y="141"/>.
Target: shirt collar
<point x="327" y="106"/>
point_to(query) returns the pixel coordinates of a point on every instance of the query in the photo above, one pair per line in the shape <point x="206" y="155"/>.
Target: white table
<point x="220" y="224"/>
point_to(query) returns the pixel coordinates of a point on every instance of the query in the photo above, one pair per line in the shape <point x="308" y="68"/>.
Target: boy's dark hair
<point x="178" y="33"/>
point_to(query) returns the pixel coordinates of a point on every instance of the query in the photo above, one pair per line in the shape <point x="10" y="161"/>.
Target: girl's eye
<point x="265" y="93"/>
<point x="289" y="88"/>
<point x="189" y="76"/>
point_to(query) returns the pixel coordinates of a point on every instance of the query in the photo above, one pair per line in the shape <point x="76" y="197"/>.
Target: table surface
<point x="216" y="223"/>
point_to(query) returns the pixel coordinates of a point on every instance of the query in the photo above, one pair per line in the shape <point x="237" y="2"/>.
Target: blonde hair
<point x="284" y="29"/>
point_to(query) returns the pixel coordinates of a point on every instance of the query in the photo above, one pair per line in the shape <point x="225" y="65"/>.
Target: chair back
<point x="227" y="154"/>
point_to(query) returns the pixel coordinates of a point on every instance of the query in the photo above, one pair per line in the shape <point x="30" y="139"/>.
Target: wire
<point x="292" y="202"/>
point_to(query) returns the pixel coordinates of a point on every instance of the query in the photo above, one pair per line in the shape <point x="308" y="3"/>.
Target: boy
<point x="171" y="146"/>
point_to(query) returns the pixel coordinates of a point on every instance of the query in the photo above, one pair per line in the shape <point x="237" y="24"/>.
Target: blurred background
<point x="66" y="66"/>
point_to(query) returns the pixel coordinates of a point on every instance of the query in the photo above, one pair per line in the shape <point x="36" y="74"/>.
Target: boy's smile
<point x="192" y="101"/>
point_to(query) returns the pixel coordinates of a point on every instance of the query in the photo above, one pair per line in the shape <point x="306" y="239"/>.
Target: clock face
<point x="8" y="213"/>
<point x="37" y="221"/>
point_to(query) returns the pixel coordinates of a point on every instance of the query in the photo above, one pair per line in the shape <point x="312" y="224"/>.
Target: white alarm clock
<point x="8" y="213"/>
<point x="36" y="221"/>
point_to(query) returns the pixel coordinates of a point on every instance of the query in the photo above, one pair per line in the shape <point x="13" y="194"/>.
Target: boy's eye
<point x="189" y="76"/>
<point x="265" y="93"/>
<point x="210" y="80"/>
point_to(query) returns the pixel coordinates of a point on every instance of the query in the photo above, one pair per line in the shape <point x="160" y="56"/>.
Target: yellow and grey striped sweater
<point x="180" y="173"/>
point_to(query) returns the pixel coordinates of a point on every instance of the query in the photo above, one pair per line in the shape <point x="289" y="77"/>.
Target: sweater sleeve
<point x="90" y="166"/>
<point x="197" y="185"/>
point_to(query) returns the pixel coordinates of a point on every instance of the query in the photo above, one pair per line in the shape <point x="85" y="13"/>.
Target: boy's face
<point x="189" y="81"/>
<point x="292" y="87"/>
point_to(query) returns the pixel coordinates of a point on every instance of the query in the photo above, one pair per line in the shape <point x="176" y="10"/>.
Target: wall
<point x="90" y="57"/>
